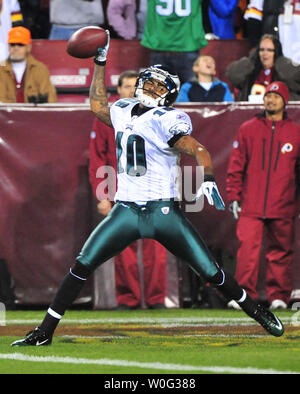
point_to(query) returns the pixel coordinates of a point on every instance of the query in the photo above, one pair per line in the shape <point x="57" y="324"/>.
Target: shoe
<point x="36" y="337"/>
<point x="157" y="306"/>
<point x="278" y="304"/>
<point x="233" y="305"/>
<point x="268" y="321"/>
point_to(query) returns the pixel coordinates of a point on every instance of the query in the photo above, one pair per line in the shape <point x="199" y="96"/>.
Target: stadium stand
<point x="72" y="76"/>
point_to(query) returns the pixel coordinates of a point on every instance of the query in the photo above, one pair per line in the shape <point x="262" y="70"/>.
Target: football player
<point x="150" y="136"/>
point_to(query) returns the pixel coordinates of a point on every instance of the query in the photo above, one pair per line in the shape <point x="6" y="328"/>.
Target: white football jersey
<point x="147" y="164"/>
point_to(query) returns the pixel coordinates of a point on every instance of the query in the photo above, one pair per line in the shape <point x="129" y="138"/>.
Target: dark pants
<point x="159" y="220"/>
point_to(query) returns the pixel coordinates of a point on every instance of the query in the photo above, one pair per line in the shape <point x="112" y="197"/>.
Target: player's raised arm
<point x="190" y="146"/>
<point x="98" y="96"/>
<point x="187" y="144"/>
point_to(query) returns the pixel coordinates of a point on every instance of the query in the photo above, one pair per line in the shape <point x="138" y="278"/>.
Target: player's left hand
<point x="210" y="191"/>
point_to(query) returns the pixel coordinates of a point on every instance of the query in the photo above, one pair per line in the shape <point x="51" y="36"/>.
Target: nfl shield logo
<point x="165" y="210"/>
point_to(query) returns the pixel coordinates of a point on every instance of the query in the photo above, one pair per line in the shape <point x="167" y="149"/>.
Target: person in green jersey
<point x="174" y="32"/>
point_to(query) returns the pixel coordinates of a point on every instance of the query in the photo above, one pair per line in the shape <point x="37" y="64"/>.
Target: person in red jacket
<point x="263" y="174"/>
<point x="131" y="291"/>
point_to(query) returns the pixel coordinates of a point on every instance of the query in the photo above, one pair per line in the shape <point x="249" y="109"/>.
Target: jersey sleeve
<point x="119" y="108"/>
<point x="177" y="125"/>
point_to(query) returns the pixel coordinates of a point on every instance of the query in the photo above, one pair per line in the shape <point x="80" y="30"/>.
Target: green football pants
<point x="163" y="221"/>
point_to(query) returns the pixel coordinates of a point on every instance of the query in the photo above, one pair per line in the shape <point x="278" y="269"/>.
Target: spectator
<point x="289" y="29"/>
<point x="222" y="15"/>
<point x="251" y="75"/>
<point x="262" y="18"/>
<point x="121" y="16"/>
<point x="36" y="17"/>
<point x="23" y="78"/>
<point x="206" y="87"/>
<point x="10" y="16"/>
<point x="141" y="14"/>
<point x="174" y="33"/>
<point x="67" y="16"/>
<point x="278" y="17"/>
<point x="126" y="18"/>
<point x="240" y="22"/>
<point x="271" y="11"/>
<point x="254" y="16"/>
<point x="129" y="293"/>
<point x="263" y="173"/>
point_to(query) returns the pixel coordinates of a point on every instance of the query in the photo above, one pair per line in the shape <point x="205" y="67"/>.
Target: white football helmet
<point x="162" y="74"/>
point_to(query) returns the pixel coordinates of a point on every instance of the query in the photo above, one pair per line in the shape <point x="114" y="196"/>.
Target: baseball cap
<point x="279" y="88"/>
<point x="19" y="35"/>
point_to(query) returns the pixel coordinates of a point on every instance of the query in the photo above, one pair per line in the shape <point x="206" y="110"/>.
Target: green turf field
<point x="174" y="341"/>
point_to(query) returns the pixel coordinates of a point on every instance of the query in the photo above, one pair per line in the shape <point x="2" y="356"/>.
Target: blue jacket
<point x="194" y="92"/>
<point x="222" y="17"/>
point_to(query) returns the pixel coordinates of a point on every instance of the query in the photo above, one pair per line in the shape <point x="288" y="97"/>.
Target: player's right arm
<point x="98" y="96"/>
<point x="188" y="145"/>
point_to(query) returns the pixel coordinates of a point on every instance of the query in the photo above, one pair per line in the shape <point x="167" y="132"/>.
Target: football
<point x="85" y="42"/>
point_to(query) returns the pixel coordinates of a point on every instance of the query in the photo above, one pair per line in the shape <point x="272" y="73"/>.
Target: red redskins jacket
<point x="264" y="168"/>
<point x="102" y="154"/>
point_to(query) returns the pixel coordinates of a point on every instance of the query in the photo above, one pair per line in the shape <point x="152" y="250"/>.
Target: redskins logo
<point x="274" y="87"/>
<point x="287" y="148"/>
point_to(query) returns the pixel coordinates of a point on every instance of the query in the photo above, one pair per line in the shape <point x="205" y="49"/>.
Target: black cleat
<point x="268" y="321"/>
<point x="36" y="337"/>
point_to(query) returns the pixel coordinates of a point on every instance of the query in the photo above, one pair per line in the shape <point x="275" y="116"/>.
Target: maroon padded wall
<point x="44" y="194"/>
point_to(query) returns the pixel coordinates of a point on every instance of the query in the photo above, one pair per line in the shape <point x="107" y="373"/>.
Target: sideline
<point x="135" y="364"/>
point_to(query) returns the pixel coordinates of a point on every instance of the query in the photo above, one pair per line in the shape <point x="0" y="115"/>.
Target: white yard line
<point x="167" y="322"/>
<point x="136" y="364"/>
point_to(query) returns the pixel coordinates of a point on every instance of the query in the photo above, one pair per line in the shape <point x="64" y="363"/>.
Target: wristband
<point x="99" y="62"/>
<point x="209" y="178"/>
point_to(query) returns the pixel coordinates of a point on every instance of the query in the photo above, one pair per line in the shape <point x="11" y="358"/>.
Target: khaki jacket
<point x="37" y="84"/>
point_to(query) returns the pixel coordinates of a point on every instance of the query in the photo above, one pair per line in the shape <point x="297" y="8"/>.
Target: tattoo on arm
<point x="98" y="97"/>
<point x="192" y="147"/>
